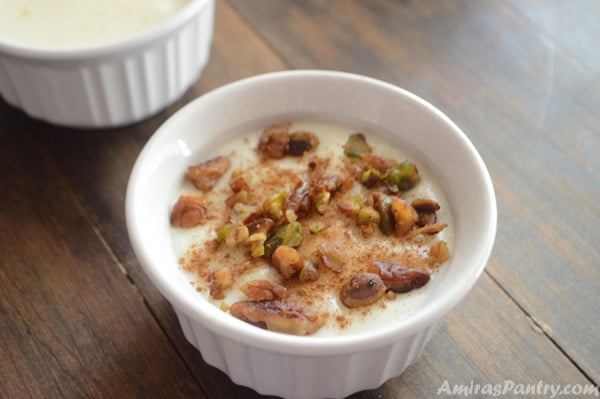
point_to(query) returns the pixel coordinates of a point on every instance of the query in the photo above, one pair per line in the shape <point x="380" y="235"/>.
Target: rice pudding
<point x="311" y="228"/>
<point x="74" y="23"/>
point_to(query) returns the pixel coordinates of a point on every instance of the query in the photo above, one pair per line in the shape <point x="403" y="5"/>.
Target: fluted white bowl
<point x="111" y="84"/>
<point x="317" y="366"/>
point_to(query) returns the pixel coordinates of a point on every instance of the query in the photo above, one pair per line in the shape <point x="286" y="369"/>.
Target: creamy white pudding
<point x="76" y="23"/>
<point x="203" y="250"/>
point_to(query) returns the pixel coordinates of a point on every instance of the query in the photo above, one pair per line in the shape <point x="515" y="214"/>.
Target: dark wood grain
<point x="79" y="318"/>
<point x="528" y="107"/>
<point x="71" y="324"/>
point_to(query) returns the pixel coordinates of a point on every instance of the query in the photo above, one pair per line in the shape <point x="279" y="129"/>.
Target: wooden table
<point x="78" y="317"/>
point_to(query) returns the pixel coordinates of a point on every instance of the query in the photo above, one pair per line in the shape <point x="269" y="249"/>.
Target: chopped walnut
<point x="238" y="183"/>
<point x="219" y="280"/>
<point x="261" y="290"/>
<point x="273" y="142"/>
<point x="377" y="163"/>
<point x="299" y="199"/>
<point x="188" y="211"/>
<point x="279" y="316"/>
<point x="206" y="174"/>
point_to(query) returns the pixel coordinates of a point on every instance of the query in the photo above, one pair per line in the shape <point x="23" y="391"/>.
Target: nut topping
<point x="279" y="316"/>
<point x="189" y="211"/>
<point x="399" y="278"/>
<point x="297" y="231"/>
<point x="273" y="142"/>
<point x="206" y="174"/>
<point x="260" y="290"/>
<point x="361" y="290"/>
<point x="287" y="261"/>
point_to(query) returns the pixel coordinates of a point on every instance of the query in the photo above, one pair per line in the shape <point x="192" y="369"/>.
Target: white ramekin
<point x="114" y="84"/>
<point x="310" y="367"/>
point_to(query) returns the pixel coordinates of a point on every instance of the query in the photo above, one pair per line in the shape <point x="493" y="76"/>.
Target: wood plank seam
<point x="543" y="329"/>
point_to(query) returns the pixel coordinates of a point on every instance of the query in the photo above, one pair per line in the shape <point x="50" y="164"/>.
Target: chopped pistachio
<point x="273" y="205"/>
<point x="289" y="234"/>
<point x="402" y="176"/>
<point x="356" y="146"/>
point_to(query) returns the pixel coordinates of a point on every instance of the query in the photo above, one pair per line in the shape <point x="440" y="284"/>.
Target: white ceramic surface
<point x="112" y="84"/>
<point x="292" y="366"/>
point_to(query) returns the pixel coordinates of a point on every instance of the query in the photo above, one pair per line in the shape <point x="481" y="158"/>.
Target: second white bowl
<point x="114" y="84"/>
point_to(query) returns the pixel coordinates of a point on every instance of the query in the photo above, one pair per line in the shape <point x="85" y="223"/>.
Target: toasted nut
<point x="405" y="216"/>
<point x="206" y="174"/>
<point x="299" y="199"/>
<point x="426" y="208"/>
<point x="241" y="197"/>
<point x="238" y="183"/>
<point x="276" y="315"/>
<point x="273" y="205"/>
<point x="427" y="229"/>
<point x="368" y="215"/>
<point x="321" y="200"/>
<point x="350" y="206"/>
<point x="301" y="142"/>
<point x="399" y="278"/>
<point x="356" y="146"/>
<point x="257" y="244"/>
<point x="273" y="142"/>
<point x="331" y="256"/>
<point x="219" y="280"/>
<point x="439" y="251"/>
<point x="188" y="211"/>
<point x="260" y="290"/>
<point x="309" y="272"/>
<point x="371" y="177"/>
<point x="290" y="216"/>
<point x="425" y="205"/>
<point x="287" y="260"/>
<point x="361" y="290"/>
<point x="317" y="227"/>
<point x="290" y="234"/>
<point x="262" y="225"/>
<point x="383" y="205"/>
<point x="402" y="176"/>
<point x="237" y="235"/>
<point x="381" y="165"/>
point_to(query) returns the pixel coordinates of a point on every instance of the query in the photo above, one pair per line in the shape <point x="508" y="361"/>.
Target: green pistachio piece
<point x="371" y="177"/>
<point x="289" y="234"/>
<point x="273" y="205"/>
<point x="356" y="146"/>
<point x="402" y="176"/>
<point x="383" y="205"/>
<point x="301" y="142"/>
<point x="223" y="231"/>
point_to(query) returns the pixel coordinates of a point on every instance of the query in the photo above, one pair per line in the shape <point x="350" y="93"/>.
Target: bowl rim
<point x="240" y="331"/>
<point x="115" y="46"/>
